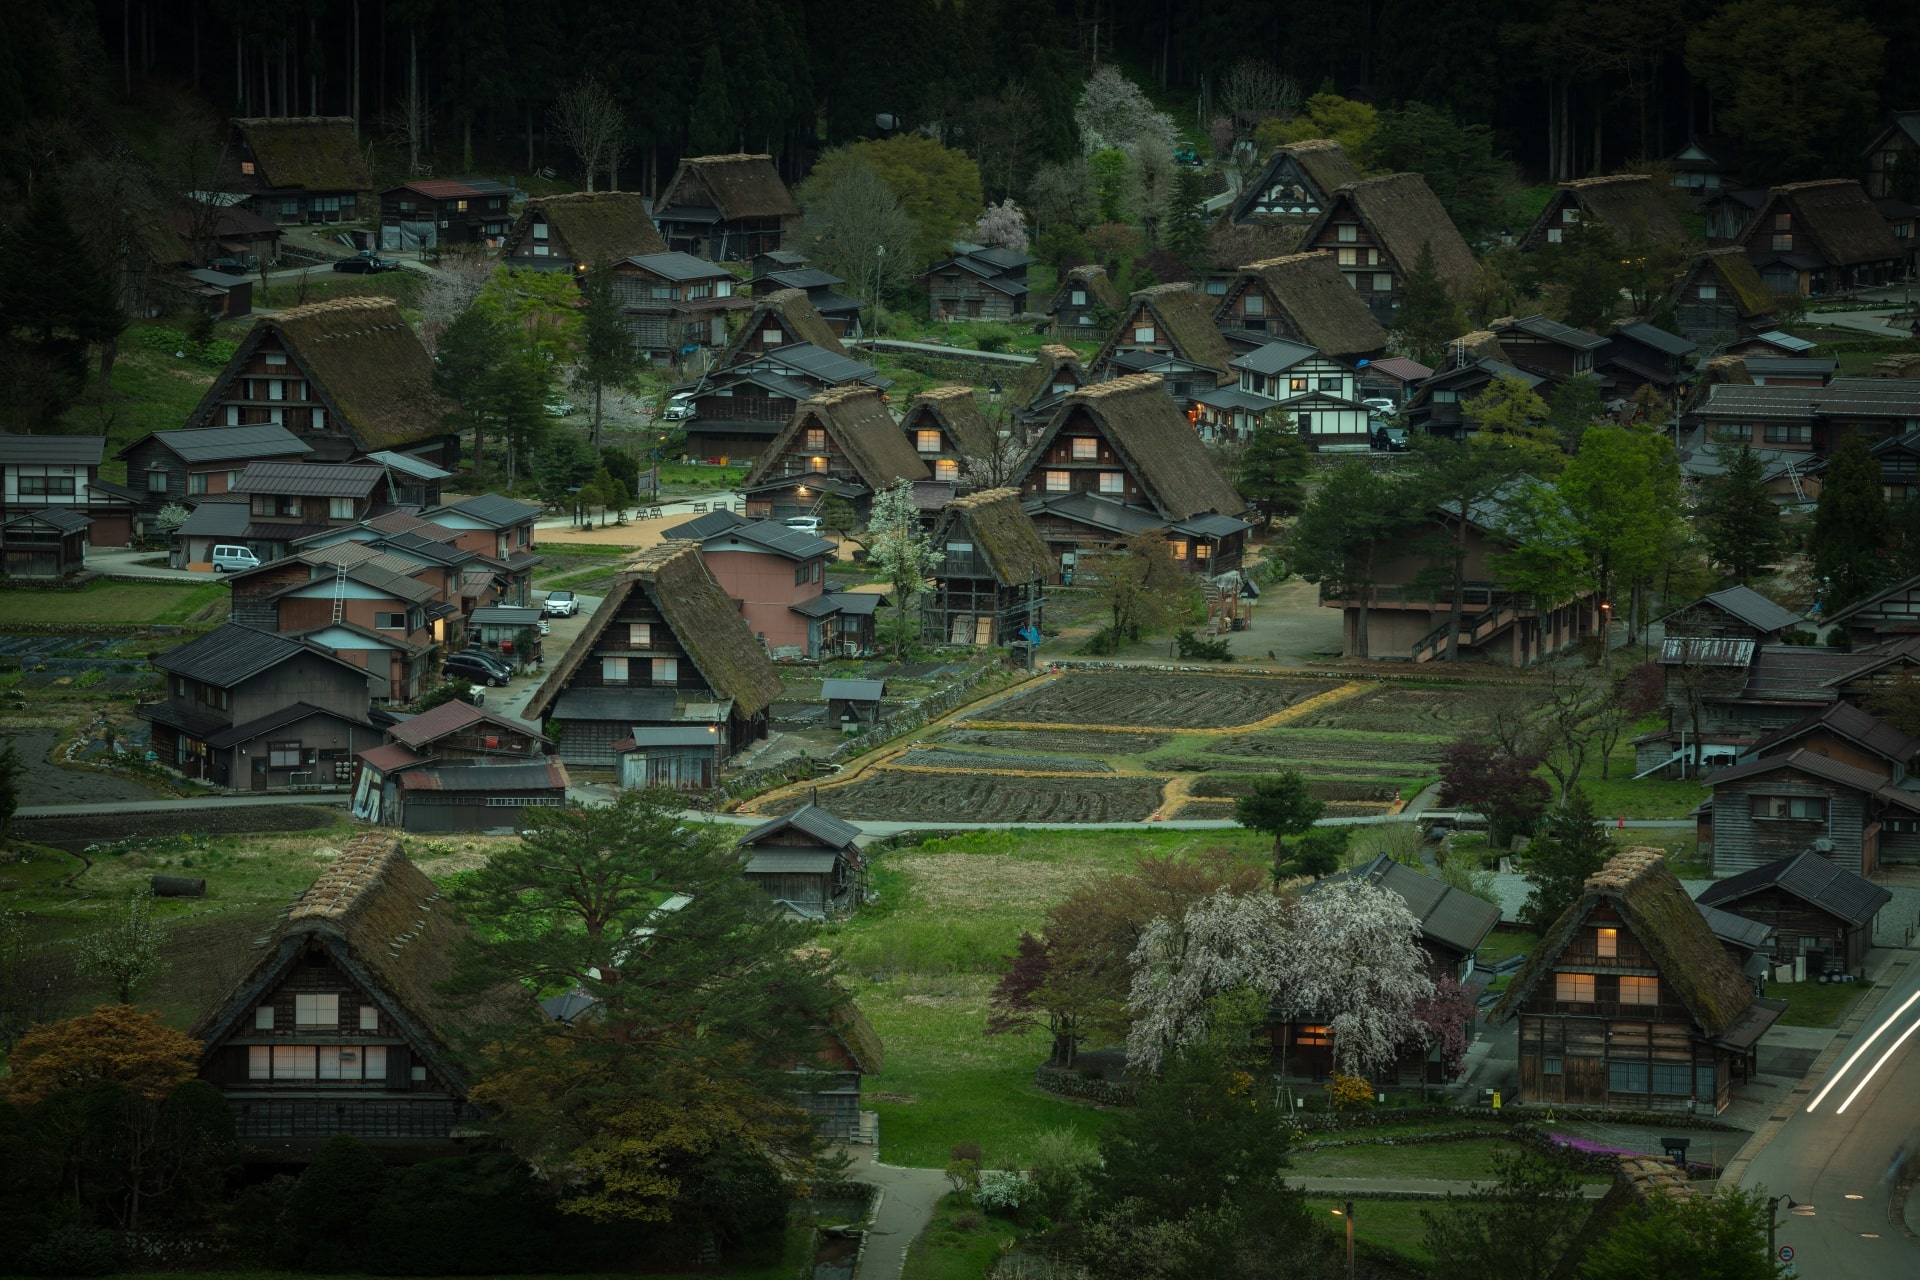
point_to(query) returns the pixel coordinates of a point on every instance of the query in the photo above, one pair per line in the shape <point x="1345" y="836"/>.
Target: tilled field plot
<point x="1402" y="709"/>
<point x="1064" y="741"/>
<point x="944" y="758"/>
<point x="894" y="796"/>
<point x="1174" y="701"/>
<point x="1286" y="746"/>
<point x="1218" y="785"/>
<point x="1209" y="810"/>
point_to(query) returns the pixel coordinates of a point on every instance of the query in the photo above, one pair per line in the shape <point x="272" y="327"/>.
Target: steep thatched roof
<point x="705" y="622"/>
<point x="1321" y="160"/>
<point x="1037" y="377"/>
<point x="1153" y="437"/>
<point x="317" y="153"/>
<point x="593" y="227"/>
<point x="956" y="411"/>
<point x="1736" y="273"/>
<point x="1836" y="213"/>
<point x="856" y="419"/>
<point x="1182" y="321"/>
<point x="384" y="923"/>
<point x="1402" y="213"/>
<point x="1093" y="278"/>
<point x="1651" y="903"/>
<point x="857" y="1034"/>
<point x="737" y="185"/>
<point x="1001" y="531"/>
<point x="1629" y="204"/>
<point x="1231" y="244"/>
<point x="365" y="365"/>
<point x="789" y="310"/>
<point x="1317" y="301"/>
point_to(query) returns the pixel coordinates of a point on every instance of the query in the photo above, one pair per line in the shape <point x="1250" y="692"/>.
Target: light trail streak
<point x="1864" y="1080"/>
<point x="1864" y="1046"/>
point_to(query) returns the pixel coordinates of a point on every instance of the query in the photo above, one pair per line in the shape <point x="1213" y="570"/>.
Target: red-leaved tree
<point x="1444" y="1021"/>
<point x="1016" y="1003"/>
<point x="1496" y="784"/>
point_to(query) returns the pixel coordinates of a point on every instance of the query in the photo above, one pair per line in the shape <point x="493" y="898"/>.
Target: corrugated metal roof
<point x="811" y="819"/>
<point x="703" y="527"/>
<point x="389" y="756"/>
<point x="856" y="690"/>
<point x="690" y="735"/>
<point x="506" y="615"/>
<point x="309" y="479"/>
<point x="1659" y="339"/>
<point x="795" y="544"/>
<point x="223" y="444"/>
<point x="71" y="451"/>
<point x="407" y="464"/>
<point x="489" y="509"/>
<point x="1738" y="930"/>
<point x="491" y="778"/>
<point x="232" y="653"/>
<point x="1450" y="916"/>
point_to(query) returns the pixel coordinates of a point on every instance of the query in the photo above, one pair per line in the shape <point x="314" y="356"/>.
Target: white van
<point x="233" y="559"/>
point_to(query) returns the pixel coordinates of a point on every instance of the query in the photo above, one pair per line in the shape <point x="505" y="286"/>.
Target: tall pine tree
<point x="607" y="355"/>
<point x="1740" y="520"/>
<point x="1851" y="526"/>
<point x="1429" y="318"/>
<point x="1273" y="470"/>
<point x="712" y="128"/>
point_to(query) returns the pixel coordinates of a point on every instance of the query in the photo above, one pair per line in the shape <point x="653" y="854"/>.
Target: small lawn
<point x="149" y="390"/>
<point x="1446" y="1161"/>
<point x="1502" y="943"/>
<point x="146" y="602"/>
<point x="1810" y="1004"/>
<point x="699" y="479"/>
<point x="1391" y="1226"/>
<point x="1619" y="794"/>
<point x="961" y="1243"/>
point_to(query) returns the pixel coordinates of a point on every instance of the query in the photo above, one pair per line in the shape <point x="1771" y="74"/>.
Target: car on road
<point x="1380" y="406"/>
<point x="234" y="559"/>
<point x="365" y="264"/>
<point x="562" y="604"/>
<point x="559" y="408"/>
<point x="468" y="667"/>
<point x="805" y="524"/>
<point x="679" y="407"/>
<point x="1389" y="439"/>
<point x="498" y="661"/>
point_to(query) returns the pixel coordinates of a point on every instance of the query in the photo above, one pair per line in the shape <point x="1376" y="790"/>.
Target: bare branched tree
<point x="463" y="272"/>
<point x="1253" y="90"/>
<point x="593" y="126"/>
<point x="1000" y="466"/>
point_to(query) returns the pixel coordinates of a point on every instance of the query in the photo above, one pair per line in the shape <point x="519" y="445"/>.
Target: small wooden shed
<point x="853" y="704"/>
<point x="50" y="543"/>
<point x="1816" y="909"/>
<point x="685" y="757"/>
<point x="809" y="862"/>
<point x="512" y="631"/>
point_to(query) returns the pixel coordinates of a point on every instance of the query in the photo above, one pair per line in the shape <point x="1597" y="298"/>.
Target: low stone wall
<point x="1071" y="1084"/>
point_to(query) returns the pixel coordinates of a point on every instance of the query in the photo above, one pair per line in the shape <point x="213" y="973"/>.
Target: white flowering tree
<point x="1112" y="111"/>
<point x="123" y="951"/>
<point x="1003" y="224"/>
<point x="898" y="546"/>
<point x="1347" y="955"/>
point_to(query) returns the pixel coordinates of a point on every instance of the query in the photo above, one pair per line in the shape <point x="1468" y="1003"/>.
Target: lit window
<point x="816" y="437"/>
<point x="1059" y="482"/>
<point x="640" y="635"/>
<point x="1085" y="448"/>
<point x="946" y="469"/>
<point x="1202" y="551"/>
<point x="926" y="441"/>
<point x="1349" y="257"/>
<point x="246" y="167"/>
<point x="259" y="1062"/>
<point x="666" y="670"/>
<point x="316" y="1009"/>
<point x="294" y="1062"/>
<point x="1608" y="943"/>
<point x="1179" y="550"/>
<point x="817" y="465"/>
<point x="1573" y="988"/>
<point x="1113" y="482"/>
<point x="1639" y="990"/>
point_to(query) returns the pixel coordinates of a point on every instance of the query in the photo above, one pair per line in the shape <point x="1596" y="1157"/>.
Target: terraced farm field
<point x="1170" y="701"/>
<point x="1280" y="744"/>
<point x="948" y="758"/>
<point x="1332" y="790"/>
<point x="1063" y="741"/>
<point x="1447" y="711"/>
<point x="893" y="795"/>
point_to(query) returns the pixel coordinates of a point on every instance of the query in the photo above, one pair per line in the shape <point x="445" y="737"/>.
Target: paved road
<point x="1412" y="1188"/>
<point x="1854" y="1110"/>
<point x="143" y="564"/>
<point x="908" y="1198"/>
<point x="163" y="804"/>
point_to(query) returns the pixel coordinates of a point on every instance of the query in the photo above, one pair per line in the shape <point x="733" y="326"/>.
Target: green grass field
<point x="1809" y="1004"/>
<point x="143" y="602"/>
<point x="147" y="391"/>
<point x="1391" y="1226"/>
<point x="961" y="1243"/>
<point x="1447" y="1161"/>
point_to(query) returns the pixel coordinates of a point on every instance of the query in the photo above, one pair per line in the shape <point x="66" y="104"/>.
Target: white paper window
<point x="1112" y="482"/>
<point x="233" y="415"/>
<point x="1382" y="282"/>
<point x="613" y="670"/>
<point x="773" y="337"/>
<point x="1254" y="305"/>
<point x="1348" y="232"/>
<point x="1079" y="297"/>
<point x="1573" y="988"/>
<point x="294" y="1062"/>
<point x="640" y="635"/>
<point x="369" y="1018"/>
<point x="1639" y="990"/>
<point x="1553" y="235"/>
<point x="1059" y="482"/>
<point x="1085" y="448"/>
<point x="926" y="441"/>
<point x="263" y="1018"/>
<point x="316" y="1009"/>
<point x="259" y="1062"/>
<point x="276" y="357"/>
<point x="276" y="389"/>
<point x="1569" y="215"/>
<point x="317" y="421"/>
<point x="417" y="1074"/>
<point x="1708" y="292"/>
<point x="539" y="250"/>
<point x="340" y="508"/>
<point x="1348" y="257"/>
<point x="1607" y="943"/>
<point x="1143" y="333"/>
<point x="277" y="417"/>
<point x="539" y="231"/>
<point x="376" y="1061"/>
<point x="330" y="1063"/>
<point x="666" y="670"/>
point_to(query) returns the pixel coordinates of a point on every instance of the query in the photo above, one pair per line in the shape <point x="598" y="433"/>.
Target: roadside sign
<point x="1786" y="1253"/>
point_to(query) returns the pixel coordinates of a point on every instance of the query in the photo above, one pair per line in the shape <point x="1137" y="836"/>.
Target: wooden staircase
<point x="1475" y="629"/>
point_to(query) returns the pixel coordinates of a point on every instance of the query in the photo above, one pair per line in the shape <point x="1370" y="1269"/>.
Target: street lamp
<point x="1347" y="1213"/>
<point x="1773" y="1219"/>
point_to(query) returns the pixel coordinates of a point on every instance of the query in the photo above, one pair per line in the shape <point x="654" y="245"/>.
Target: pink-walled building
<point x="777" y="577"/>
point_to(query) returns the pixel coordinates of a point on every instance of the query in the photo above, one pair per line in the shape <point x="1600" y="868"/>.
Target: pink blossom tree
<point x="1002" y="224"/>
<point x="1444" y="1021"/>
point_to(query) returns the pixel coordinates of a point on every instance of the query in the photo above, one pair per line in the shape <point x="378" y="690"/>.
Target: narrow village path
<point x="1411" y="1188"/>
<point x="908" y="1198"/>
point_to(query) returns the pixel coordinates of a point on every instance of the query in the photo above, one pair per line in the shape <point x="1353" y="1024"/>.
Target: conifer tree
<point x="1851" y="526"/>
<point x="1429" y="318"/>
<point x="1740" y="519"/>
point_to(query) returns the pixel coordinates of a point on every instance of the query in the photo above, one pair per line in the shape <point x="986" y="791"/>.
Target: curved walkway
<point x="906" y="1202"/>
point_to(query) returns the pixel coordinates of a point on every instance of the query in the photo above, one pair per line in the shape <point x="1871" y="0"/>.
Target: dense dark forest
<point x="1569" y="86"/>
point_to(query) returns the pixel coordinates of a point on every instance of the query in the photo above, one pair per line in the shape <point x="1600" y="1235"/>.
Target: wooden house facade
<point x="425" y="213"/>
<point x="1166" y="330"/>
<point x="1547" y="349"/>
<point x="947" y="431"/>
<point x="989" y="586"/>
<point x="726" y="208"/>
<point x="1890" y="614"/>
<point x="1631" y="1001"/>
<point x="338" y="1027"/>
<point x="1636" y="212"/>
<point x="1816" y="238"/>
<point x="841" y="313"/>
<point x="977" y="282"/>
<point x="1300" y="298"/>
<point x="845" y="438"/>
<point x="179" y="468"/>
<point x="1296" y="184"/>
<point x="1085" y="305"/>
<point x="346" y="378"/>
<point x="295" y="169"/>
<point x="1376" y="229"/>
<point x="809" y="862"/>
<point x="1818" y="911"/>
<point x="666" y="647"/>
<point x="676" y="304"/>
<point x="48" y="472"/>
<point x="1720" y="297"/>
<point x="1055" y="374"/>
<point x="579" y="231"/>
<point x="50" y="543"/>
<point x="1893" y="159"/>
<point x="1769" y="807"/>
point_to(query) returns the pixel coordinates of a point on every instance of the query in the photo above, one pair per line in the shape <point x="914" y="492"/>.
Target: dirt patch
<point x="887" y="795"/>
<point x="76" y="832"/>
<point x="1280" y="746"/>
<point x="1137" y="698"/>
<point x="1403" y="709"/>
<point x="1216" y="786"/>
<point x="1067" y="742"/>
<point x="940" y="758"/>
<point x="49" y="783"/>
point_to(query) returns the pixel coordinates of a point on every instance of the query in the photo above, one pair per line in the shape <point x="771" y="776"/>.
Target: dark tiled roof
<point x="309" y="479"/>
<point x="218" y="520"/>
<point x="222" y="444"/>
<point x="794" y="544"/>
<point x="701" y="527"/>
<point x="1819" y="766"/>
<point x="1659" y="339"/>
<point x="1449" y="916"/>
<point x="490" y="509"/>
<point x="811" y="819"/>
<point x="849" y="603"/>
<point x="69" y="451"/>
<point x="231" y="653"/>
<point x="674" y="265"/>
<point x="636" y="705"/>
<point x="286" y="715"/>
<point x="1554" y="331"/>
<point x="1754" y="609"/>
<point x="1795" y="673"/>
<point x="1812" y="879"/>
<point x="59" y="517"/>
<point x="451" y="717"/>
<point x="1848" y="721"/>
<point x="1738" y="930"/>
<point x="1275" y="356"/>
<point x="856" y="690"/>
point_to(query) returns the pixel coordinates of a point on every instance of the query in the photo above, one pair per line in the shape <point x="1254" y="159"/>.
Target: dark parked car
<point x="464" y="666"/>
<point x="365" y="264"/>
<point x="499" y="662"/>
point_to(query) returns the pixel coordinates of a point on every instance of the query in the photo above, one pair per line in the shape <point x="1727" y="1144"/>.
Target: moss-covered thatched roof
<point x="1182" y="321"/>
<point x="1037" y="378"/>
<point x="1629" y="205"/>
<point x="956" y="411"/>
<point x="1402" y="214"/>
<point x="1839" y="218"/>
<point x="315" y="153"/>
<point x="1322" y="160"/>
<point x="591" y="227"/>
<point x="1316" y="299"/>
<point x="788" y="310"/>
<point x="1652" y="904"/>
<point x="737" y="185"/>
<point x="856" y="419"/>
<point x="1153" y="437"/>
<point x="1001" y="531"/>
<point x="1734" y="272"/>
<point x="1093" y="278"/>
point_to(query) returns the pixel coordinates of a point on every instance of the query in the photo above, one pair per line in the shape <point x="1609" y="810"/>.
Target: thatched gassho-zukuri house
<point x="349" y="377"/>
<point x="1054" y="374"/>
<point x="1629" y="205"/>
<point x="1084" y="304"/>
<point x="726" y="208"/>
<point x="666" y="647"/>
<point x="842" y="441"/>
<point x="1814" y="238"/>
<point x="301" y="168"/>
<point x="1118" y="458"/>
<point x="1302" y="298"/>
<point x="339" y="1026"/>
<point x="1166" y="330"/>
<point x="945" y="427"/>
<point x="581" y="230"/>
<point x="1631" y="1001"/>
<point x="988" y="588"/>
<point x="1376" y="230"/>
<point x="1296" y="183"/>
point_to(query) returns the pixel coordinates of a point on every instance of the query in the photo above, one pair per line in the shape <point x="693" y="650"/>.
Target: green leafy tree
<point x="331" y="1204"/>
<point x="938" y="188"/>
<point x="1852" y="527"/>
<point x="1111" y="168"/>
<point x="1281" y="805"/>
<point x="1510" y="416"/>
<point x="1623" y="491"/>
<point x="1718" y="1237"/>
<point x="1429" y="317"/>
<point x="1355" y="515"/>
<point x="608" y="357"/>
<point x="902" y="550"/>
<point x="1519" y="1227"/>
<point x="853" y="225"/>
<point x="1456" y="159"/>
<point x="1739" y="519"/>
<point x="1274" y="466"/>
<point x="711" y="129"/>
<point x="538" y="312"/>
<point x="1572" y="845"/>
<point x="564" y="465"/>
<point x="1186" y="229"/>
<point x="1320" y="851"/>
<point x="1794" y="83"/>
<point x="1586" y="271"/>
<point x="1573" y="406"/>
<point x="1326" y="115"/>
<point x="472" y="346"/>
<point x="1140" y="584"/>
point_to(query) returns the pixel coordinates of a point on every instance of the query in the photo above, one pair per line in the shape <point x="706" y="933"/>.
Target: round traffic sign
<point x="1786" y="1253"/>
